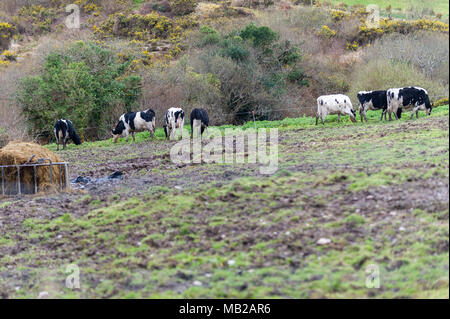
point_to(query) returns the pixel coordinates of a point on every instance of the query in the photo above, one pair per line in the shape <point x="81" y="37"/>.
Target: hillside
<point x="219" y="53"/>
<point x="347" y="203"/>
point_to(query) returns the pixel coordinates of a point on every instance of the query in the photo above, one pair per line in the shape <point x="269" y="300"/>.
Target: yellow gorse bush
<point x="440" y="102"/>
<point x="149" y="28"/>
<point x="338" y="15"/>
<point x="387" y="26"/>
<point x="9" y="56"/>
<point x="326" y="32"/>
<point x="354" y="46"/>
<point x="6" y="30"/>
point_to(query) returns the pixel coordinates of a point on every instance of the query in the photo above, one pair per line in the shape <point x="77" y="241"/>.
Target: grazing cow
<point x="64" y="131"/>
<point x="174" y="119"/>
<point x="334" y="104"/>
<point x="199" y="119"/>
<point x="372" y="100"/>
<point x="414" y="97"/>
<point x="135" y="122"/>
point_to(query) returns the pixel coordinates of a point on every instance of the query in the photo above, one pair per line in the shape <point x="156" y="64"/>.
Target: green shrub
<point x="298" y="76"/>
<point x="253" y="68"/>
<point x="209" y="36"/>
<point x="259" y="36"/>
<point x="84" y="83"/>
<point x="235" y="48"/>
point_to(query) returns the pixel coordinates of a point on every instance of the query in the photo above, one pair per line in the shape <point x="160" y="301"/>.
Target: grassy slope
<point x="437" y="5"/>
<point x="285" y="124"/>
<point x="256" y="236"/>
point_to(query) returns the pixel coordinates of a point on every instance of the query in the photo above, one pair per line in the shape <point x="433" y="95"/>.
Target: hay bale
<point x="16" y="153"/>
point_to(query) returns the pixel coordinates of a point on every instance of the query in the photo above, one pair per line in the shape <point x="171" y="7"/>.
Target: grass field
<point x="438" y="6"/>
<point x="378" y="194"/>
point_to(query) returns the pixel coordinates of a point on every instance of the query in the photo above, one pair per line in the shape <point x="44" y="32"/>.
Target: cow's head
<point x="428" y="110"/>
<point x="179" y="117"/>
<point x="117" y="132"/>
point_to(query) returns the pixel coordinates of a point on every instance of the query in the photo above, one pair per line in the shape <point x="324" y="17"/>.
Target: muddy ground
<point x="343" y="198"/>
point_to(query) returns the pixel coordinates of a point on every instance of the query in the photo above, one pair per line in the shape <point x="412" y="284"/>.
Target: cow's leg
<point x="64" y="144"/>
<point x="132" y="135"/>
<point x="57" y="144"/>
<point x="127" y="134"/>
<point x="339" y="118"/>
<point x="417" y="114"/>
<point x="382" y="112"/>
<point x="317" y="119"/>
<point x="395" y="115"/>
<point x="390" y="116"/>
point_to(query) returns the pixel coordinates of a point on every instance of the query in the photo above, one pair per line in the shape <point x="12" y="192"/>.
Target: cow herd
<point x="389" y="101"/>
<point x="132" y="122"/>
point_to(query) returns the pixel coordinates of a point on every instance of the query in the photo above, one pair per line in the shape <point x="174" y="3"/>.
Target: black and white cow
<point x="334" y="104"/>
<point x="400" y="98"/>
<point x="174" y="120"/>
<point x="199" y="120"/>
<point x="372" y="100"/>
<point x="135" y="122"/>
<point x="64" y="131"/>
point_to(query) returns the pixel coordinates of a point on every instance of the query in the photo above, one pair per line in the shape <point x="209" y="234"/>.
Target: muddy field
<point x="344" y="199"/>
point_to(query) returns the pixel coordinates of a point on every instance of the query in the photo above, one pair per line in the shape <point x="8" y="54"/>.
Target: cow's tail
<point x="56" y="129"/>
<point x="399" y="112"/>
<point x="73" y="135"/>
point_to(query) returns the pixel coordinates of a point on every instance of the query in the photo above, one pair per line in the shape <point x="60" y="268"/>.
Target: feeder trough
<point x="41" y="171"/>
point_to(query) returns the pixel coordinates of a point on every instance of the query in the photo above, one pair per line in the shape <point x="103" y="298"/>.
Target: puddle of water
<point x="85" y="181"/>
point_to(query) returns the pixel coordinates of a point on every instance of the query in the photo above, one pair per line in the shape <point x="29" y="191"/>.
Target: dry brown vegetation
<point x="331" y="63"/>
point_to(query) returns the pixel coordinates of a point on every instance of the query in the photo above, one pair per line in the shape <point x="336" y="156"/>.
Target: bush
<point x="183" y="7"/>
<point x="6" y="33"/>
<point x="259" y="36"/>
<point x="37" y="19"/>
<point x="440" y="102"/>
<point x="253" y="68"/>
<point x="352" y="46"/>
<point x="209" y="36"/>
<point x="84" y="83"/>
<point x="298" y="76"/>
<point x="326" y="32"/>
<point x="235" y="48"/>
<point x="385" y="74"/>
